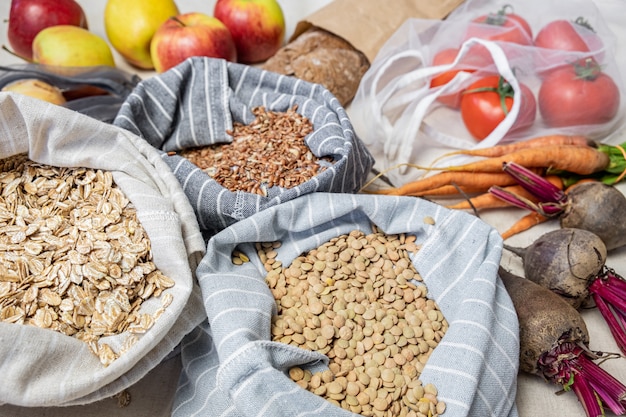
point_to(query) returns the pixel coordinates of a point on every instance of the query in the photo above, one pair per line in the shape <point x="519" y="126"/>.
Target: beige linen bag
<point x="41" y="367"/>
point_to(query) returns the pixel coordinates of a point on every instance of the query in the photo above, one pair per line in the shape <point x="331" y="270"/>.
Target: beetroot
<point x="593" y="206"/>
<point x="565" y="261"/>
<point x="571" y="263"/>
<point x="554" y="345"/>
<point x="599" y="208"/>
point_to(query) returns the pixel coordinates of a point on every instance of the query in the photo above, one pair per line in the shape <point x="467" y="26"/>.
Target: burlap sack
<point x="196" y="102"/>
<point x="41" y="367"/>
<point x="231" y="366"/>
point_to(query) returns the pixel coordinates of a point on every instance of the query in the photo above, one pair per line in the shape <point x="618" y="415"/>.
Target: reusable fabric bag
<point x="402" y="119"/>
<point x="195" y="103"/>
<point x="97" y="92"/>
<point x="231" y="365"/>
<point x="41" y="367"/>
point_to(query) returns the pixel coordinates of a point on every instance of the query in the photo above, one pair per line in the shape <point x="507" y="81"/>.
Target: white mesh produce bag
<point x="42" y="367"/>
<point x="196" y="102"/>
<point x="402" y="118"/>
<point x="231" y="365"/>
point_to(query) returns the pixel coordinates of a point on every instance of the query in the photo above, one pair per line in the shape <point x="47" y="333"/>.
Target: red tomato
<point x="447" y="56"/>
<point x="483" y="106"/>
<point x="568" y="36"/>
<point x="578" y="94"/>
<point x="501" y="26"/>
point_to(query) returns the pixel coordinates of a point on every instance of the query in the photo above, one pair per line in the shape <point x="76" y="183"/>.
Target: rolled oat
<point x="73" y="256"/>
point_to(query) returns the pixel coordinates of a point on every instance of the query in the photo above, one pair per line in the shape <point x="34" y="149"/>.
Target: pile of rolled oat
<point x="73" y="256"/>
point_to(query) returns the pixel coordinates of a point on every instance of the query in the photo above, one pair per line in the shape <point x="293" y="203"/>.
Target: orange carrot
<point x="490" y="201"/>
<point x="474" y="180"/>
<point x="576" y="159"/>
<point x="539" y="141"/>
<point x="531" y="219"/>
<point x="448" y="190"/>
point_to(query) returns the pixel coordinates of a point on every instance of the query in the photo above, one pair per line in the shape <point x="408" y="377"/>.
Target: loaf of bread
<point x="321" y="57"/>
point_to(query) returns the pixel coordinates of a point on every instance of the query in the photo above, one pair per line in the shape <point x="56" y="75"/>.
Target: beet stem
<point x="609" y="389"/>
<point x="610" y="315"/>
<point x="608" y="291"/>
<point x="588" y="398"/>
<point x="571" y="365"/>
<point x="535" y="184"/>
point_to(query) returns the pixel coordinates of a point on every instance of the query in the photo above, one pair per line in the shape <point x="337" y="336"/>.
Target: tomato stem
<point x="588" y="69"/>
<point x="499" y="18"/>
<point x="581" y="21"/>
<point x="504" y="91"/>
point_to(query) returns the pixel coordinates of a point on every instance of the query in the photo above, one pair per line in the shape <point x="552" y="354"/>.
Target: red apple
<point x="257" y="26"/>
<point x="187" y="35"/>
<point x="28" y="17"/>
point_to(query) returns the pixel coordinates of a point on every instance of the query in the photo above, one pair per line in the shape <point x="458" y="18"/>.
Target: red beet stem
<point x="614" y="319"/>
<point x="608" y="291"/>
<point x="535" y="184"/>
<point x="609" y="390"/>
<point x="572" y="366"/>
<point x="552" y="199"/>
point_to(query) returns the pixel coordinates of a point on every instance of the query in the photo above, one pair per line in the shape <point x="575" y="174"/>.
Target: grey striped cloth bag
<point x="232" y="368"/>
<point x="116" y="83"/>
<point x="43" y="368"/>
<point x="194" y="104"/>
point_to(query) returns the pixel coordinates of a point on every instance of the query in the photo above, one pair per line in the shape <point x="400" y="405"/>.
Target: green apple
<point x="257" y="27"/>
<point x="131" y="24"/>
<point x="71" y="46"/>
<point x="191" y="34"/>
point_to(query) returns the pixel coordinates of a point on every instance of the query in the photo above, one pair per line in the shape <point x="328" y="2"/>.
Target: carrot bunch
<point x="561" y="159"/>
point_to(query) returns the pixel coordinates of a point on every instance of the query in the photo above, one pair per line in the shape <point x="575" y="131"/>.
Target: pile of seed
<point x="268" y="152"/>
<point x="73" y="256"/>
<point x="359" y="300"/>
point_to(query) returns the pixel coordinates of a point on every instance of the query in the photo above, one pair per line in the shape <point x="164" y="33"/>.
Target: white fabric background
<point x="152" y="396"/>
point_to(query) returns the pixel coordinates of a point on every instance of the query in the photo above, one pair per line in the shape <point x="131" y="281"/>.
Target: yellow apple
<point x="34" y="87"/>
<point x="71" y="46"/>
<point x="131" y="24"/>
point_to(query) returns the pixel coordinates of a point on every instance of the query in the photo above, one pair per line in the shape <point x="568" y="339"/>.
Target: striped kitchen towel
<point x="231" y="367"/>
<point x="195" y="103"/>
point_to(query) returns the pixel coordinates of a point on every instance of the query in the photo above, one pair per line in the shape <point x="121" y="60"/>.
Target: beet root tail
<point x="571" y="366"/>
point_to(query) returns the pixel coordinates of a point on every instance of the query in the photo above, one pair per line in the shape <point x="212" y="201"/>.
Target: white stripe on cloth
<point x="474" y="367"/>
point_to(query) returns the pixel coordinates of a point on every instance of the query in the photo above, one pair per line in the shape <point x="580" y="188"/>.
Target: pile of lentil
<point x="270" y="151"/>
<point x="359" y="300"/>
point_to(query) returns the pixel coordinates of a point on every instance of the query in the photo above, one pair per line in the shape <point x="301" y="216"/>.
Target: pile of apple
<point x="245" y="31"/>
<point x="56" y="32"/>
